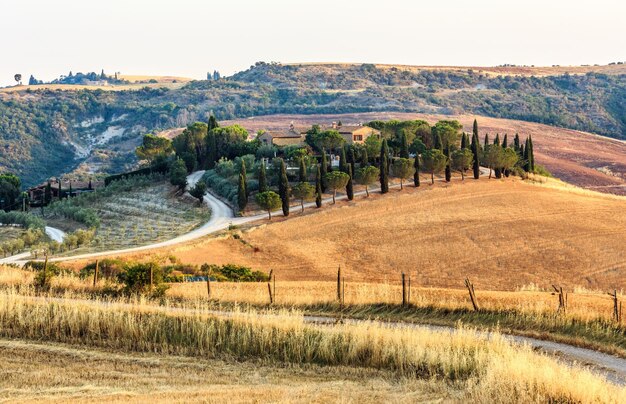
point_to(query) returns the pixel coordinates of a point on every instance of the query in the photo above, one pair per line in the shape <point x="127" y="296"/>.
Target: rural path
<point x="55" y="234"/>
<point x="608" y="366"/>
<point x="222" y="216"/>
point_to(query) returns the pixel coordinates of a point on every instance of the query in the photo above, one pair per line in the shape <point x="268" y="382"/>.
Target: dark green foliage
<point x="10" y="191"/>
<point x="268" y="201"/>
<point x="198" y="191"/>
<point x="464" y="141"/>
<point x="437" y="141"/>
<point x="351" y="158"/>
<point x="242" y="197"/>
<point x="302" y="174"/>
<point x="318" y="187"/>
<point x="336" y="180"/>
<point x="486" y="143"/>
<point x="303" y="191"/>
<point x="143" y="278"/>
<point x="462" y="160"/>
<point x="324" y="169"/>
<point x="349" y="185"/>
<point x="475" y="147"/>
<point x="211" y="150"/>
<point x="262" y="178"/>
<point x="475" y="128"/>
<point x="178" y="174"/>
<point x="448" y="170"/>
<point x="212" y="123"/>
<point x="235" y="273"/>
<point x="402" y="169"/>
<point x="283" y="188"/>
<point x="416" y="174"/>
<point x="384" y="168"/>
<point x="434" y="162"/>
<point x="497" y="169"/>
<point x="153" y="147"/>
<point x="505" y="141"/>
<point x="367" y="175"/>
<point x="364" y="157"/>
<point x="343" y="165"/>
<point x="404" y="147"/>
<point x="531" y="154"/>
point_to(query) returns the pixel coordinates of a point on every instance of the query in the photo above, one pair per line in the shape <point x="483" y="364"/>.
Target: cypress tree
<point x="302" y="175"/>
<point x="464" y="141"/>
<point x="497" y="170"/>
<point x="404" y="147"/>
<point x="242" y="173"/>
<point x="505" y="142"/>
<point x="364" y="158"/>
<point x="448" y="165"/>
<point x="526" y="151"/>
<point x="384" y="168"/>
<point x="437" y="141"/>
<point x="60" y="187"/>
<point x="211" y="149"/>
<point x="516" y="144"/>
<point x="475" y="147"/>
<point x="416" y="174"/>
<point x="531" y="153"/>
<point x="318" y="188"/>
<point x="71" y="188"/>
<point x="349" y="185"/>
<point x="212" y="123"/>
<point x="324" y="169"/>
<point x="475" y="129"/>
<point x="242" y="198"/>
<point x="283" y="188"/>
<point x="262" y="178"/>
<point x="352" y="158"/>
<point x="486" y="142"/>
<point x="342" y="161"/>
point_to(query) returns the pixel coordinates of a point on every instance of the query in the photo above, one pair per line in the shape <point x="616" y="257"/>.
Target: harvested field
<point x="501" y="234"/>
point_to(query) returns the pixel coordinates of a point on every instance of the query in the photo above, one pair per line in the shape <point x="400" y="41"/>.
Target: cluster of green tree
<point x="28" y="239"/>
<point x="86" y="78"/>
<point x="37" y="131"/>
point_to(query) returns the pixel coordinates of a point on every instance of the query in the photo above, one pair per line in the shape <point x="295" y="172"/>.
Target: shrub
<point x="136" y="278"/>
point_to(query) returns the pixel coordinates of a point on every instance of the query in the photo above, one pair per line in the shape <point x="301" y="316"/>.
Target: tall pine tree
<point x="283" y="188"/>
<point x="211" y="150"/>
<point x="464" y="141"/>
<point x="437" y="141"/>
<point x="343" y="165"/>
<point x="384" y="167"/>
<point x="242" y="199"/>
<point x="476" y="151"/>
<point x="527" y="156"/>
<point x="416" y="174"/>
<point x="475" y="129"/>
<point x="486" y="144"/>
<point x="497" y="170"/>
<point x="351" y="158"/>
<point x="505" y="141"/>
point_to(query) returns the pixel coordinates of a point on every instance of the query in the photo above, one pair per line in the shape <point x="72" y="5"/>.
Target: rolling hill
<point x="502" y="234"/>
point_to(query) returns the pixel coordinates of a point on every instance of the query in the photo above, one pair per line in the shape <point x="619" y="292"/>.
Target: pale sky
<point x="48" y="38"/>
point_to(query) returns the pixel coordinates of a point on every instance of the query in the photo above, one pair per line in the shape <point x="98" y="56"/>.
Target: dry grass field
<point x="501" y="234"/>
<point x="526" y="71"/>
<point x="119" y="350"/>
<point x="35" y="371"/>
<point x="583" y="159"/>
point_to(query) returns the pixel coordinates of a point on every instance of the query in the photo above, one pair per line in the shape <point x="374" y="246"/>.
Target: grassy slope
<point x="502" y="234"/>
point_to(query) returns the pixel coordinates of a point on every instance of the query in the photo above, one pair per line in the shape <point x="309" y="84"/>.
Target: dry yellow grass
<point x="32" y="372"/>
<point x="483" y="369"/>
<point x="500" y="234"/>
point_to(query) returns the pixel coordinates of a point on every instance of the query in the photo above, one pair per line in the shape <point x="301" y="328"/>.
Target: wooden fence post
<point x="95" y="274"/>
<point x="562" y="299"/>
<point x="343" y="292"/>
<point x="616" y="306"/>
<point x="151" y="276"/>
<point x="208" y="282"/>
<point x="45" y="271"/>
<point x="339" y="284"/>
<point x="403" y="289"/>
<point x="409" y="297"/>
<point x="470" y="288"/>
<point x="269" y="289"/>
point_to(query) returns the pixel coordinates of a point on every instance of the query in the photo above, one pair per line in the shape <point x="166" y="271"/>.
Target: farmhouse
<point x="296" y="136"/>
<point x="355" y="133"/>
<point x="293" y="136"/>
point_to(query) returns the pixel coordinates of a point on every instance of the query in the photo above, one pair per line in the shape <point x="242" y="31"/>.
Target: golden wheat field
<point x="501" y="234"/>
